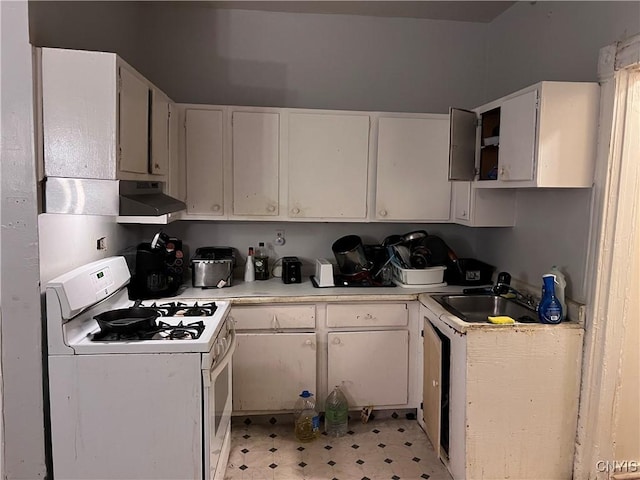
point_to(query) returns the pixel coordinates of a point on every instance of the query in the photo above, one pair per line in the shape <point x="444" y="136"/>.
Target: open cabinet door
<point x="462" y="144"/>
<point x="432" y="384"/>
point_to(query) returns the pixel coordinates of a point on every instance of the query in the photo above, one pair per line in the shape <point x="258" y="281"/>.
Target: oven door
<point x="217" y="401"/>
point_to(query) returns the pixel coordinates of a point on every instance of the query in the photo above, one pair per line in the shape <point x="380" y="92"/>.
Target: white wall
<point x="307" y="241"/>
<point x="198" y="54"/>
<point x="535" y="41"/>
<point x="204" y="55"/>
<point x="69" y="241"/>
<point x="22" y="403"/>
<point x="103" y="26"/>
<point x="549" y="41"/>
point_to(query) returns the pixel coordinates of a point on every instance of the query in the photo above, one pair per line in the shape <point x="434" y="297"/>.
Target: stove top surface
<point x="178" y="327"/>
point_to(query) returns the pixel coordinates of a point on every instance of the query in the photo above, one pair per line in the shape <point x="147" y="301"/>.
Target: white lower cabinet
<point x="371" y="367"/>
<point x="370" y="349"/>
<point x="276" y="356"/>
<point x="368" y="352"/>
<point x="502" y="401"/>
<point x="271" y="369"/>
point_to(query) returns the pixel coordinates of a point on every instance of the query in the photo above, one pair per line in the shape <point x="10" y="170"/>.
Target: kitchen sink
<point x="476" y="308"/>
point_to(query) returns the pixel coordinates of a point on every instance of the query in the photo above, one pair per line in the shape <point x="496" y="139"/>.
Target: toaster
<point x="291" y="270"/>
<point x="212" y="267"/>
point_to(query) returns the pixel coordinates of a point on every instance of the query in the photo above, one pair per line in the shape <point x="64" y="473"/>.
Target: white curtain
<point x="608" y="440"/>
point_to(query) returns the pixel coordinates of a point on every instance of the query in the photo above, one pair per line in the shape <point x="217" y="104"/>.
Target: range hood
<point x="146" y="198"/>
<point x="131" y="201"/>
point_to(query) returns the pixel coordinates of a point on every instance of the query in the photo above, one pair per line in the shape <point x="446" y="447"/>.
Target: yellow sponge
<point x="501" y="320"/>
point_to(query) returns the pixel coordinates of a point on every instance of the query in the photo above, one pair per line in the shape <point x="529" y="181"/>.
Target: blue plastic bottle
<point x="550" y="308"/>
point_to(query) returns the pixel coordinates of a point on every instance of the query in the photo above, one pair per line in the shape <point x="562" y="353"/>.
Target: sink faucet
<point x="503" y="287"/>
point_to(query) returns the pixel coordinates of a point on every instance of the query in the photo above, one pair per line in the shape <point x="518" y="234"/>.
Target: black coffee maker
<point x="159" y="268"/>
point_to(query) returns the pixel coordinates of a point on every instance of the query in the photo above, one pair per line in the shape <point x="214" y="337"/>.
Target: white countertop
<point x="274" y="290"/>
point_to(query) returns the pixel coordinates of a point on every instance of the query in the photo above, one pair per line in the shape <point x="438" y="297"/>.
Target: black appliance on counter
<point x="159" y="268"/>
<point x="291" y="267"/>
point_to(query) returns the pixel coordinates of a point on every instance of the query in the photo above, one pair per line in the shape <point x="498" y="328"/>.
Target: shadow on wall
<point x="171" y="60"/>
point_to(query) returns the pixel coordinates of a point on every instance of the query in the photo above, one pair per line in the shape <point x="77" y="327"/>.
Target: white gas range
<point x="137" y="391"/>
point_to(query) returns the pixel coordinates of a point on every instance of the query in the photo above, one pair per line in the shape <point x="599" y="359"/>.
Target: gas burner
<point x="190" y="331"/>
<point x="179" y="309"/>
<point x="108" y="336"/>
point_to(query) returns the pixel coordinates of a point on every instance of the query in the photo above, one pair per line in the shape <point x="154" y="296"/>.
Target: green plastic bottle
<point x="336" y="415"/>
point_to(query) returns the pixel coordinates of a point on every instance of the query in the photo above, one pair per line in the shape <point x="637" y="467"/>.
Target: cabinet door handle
<point x="383" y="213"/>
<point x="275" y="323"/>
<point x="271" y="208"/>
<point x="435" y="383"/>
<point x="295" y="211"/>
<point x="216" y="208"/>
<point x="336" y="341"/>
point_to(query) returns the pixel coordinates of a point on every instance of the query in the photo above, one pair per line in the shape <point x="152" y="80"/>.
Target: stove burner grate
<point x="179" y="309"/>
<point x="190" y="331"/>
<point x="161" y="331"/>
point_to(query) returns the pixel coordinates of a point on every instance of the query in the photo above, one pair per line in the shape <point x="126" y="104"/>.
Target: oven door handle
<point x="221" y="363"/>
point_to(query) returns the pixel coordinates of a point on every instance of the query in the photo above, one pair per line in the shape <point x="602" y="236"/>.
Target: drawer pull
<point x="275" y="324"/>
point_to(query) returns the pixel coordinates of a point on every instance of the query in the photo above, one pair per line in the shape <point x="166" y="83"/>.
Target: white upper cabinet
<point x="328" y="158"/>
<point x="412" y="169"/>
<point x="203" y="138"/>
<point x="95" y="113"/>
<point x="255" y="164"/>
<point x="483" y="207"/>
<point x="541" y="136"/>
<point x="517" y="144"/>
<point x="133" y="125"/>
<point x="160" y="138"/>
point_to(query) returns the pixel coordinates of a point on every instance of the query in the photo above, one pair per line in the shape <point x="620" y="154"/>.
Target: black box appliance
<point x="468" y="271"/>
<point x="212" y="267"/>
<point x="291" y="267"/>
<point x="158" y="268"/>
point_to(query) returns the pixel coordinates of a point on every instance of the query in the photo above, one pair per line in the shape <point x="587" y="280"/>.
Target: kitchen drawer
<point x="261" y="317"/>
<point x="367" y="315"/>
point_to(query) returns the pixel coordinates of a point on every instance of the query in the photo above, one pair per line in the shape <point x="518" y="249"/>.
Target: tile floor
<point x="384" y="448"/>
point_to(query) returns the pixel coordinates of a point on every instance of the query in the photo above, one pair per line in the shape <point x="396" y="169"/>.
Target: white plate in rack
<point x="425" y="286"/>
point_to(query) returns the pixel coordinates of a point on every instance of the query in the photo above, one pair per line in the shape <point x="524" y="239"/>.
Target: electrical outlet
<point x="101" y="243"/>
<point x="280" y="240"/>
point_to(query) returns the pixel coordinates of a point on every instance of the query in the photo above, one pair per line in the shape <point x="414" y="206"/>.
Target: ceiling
<point x="463" y="11"/>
